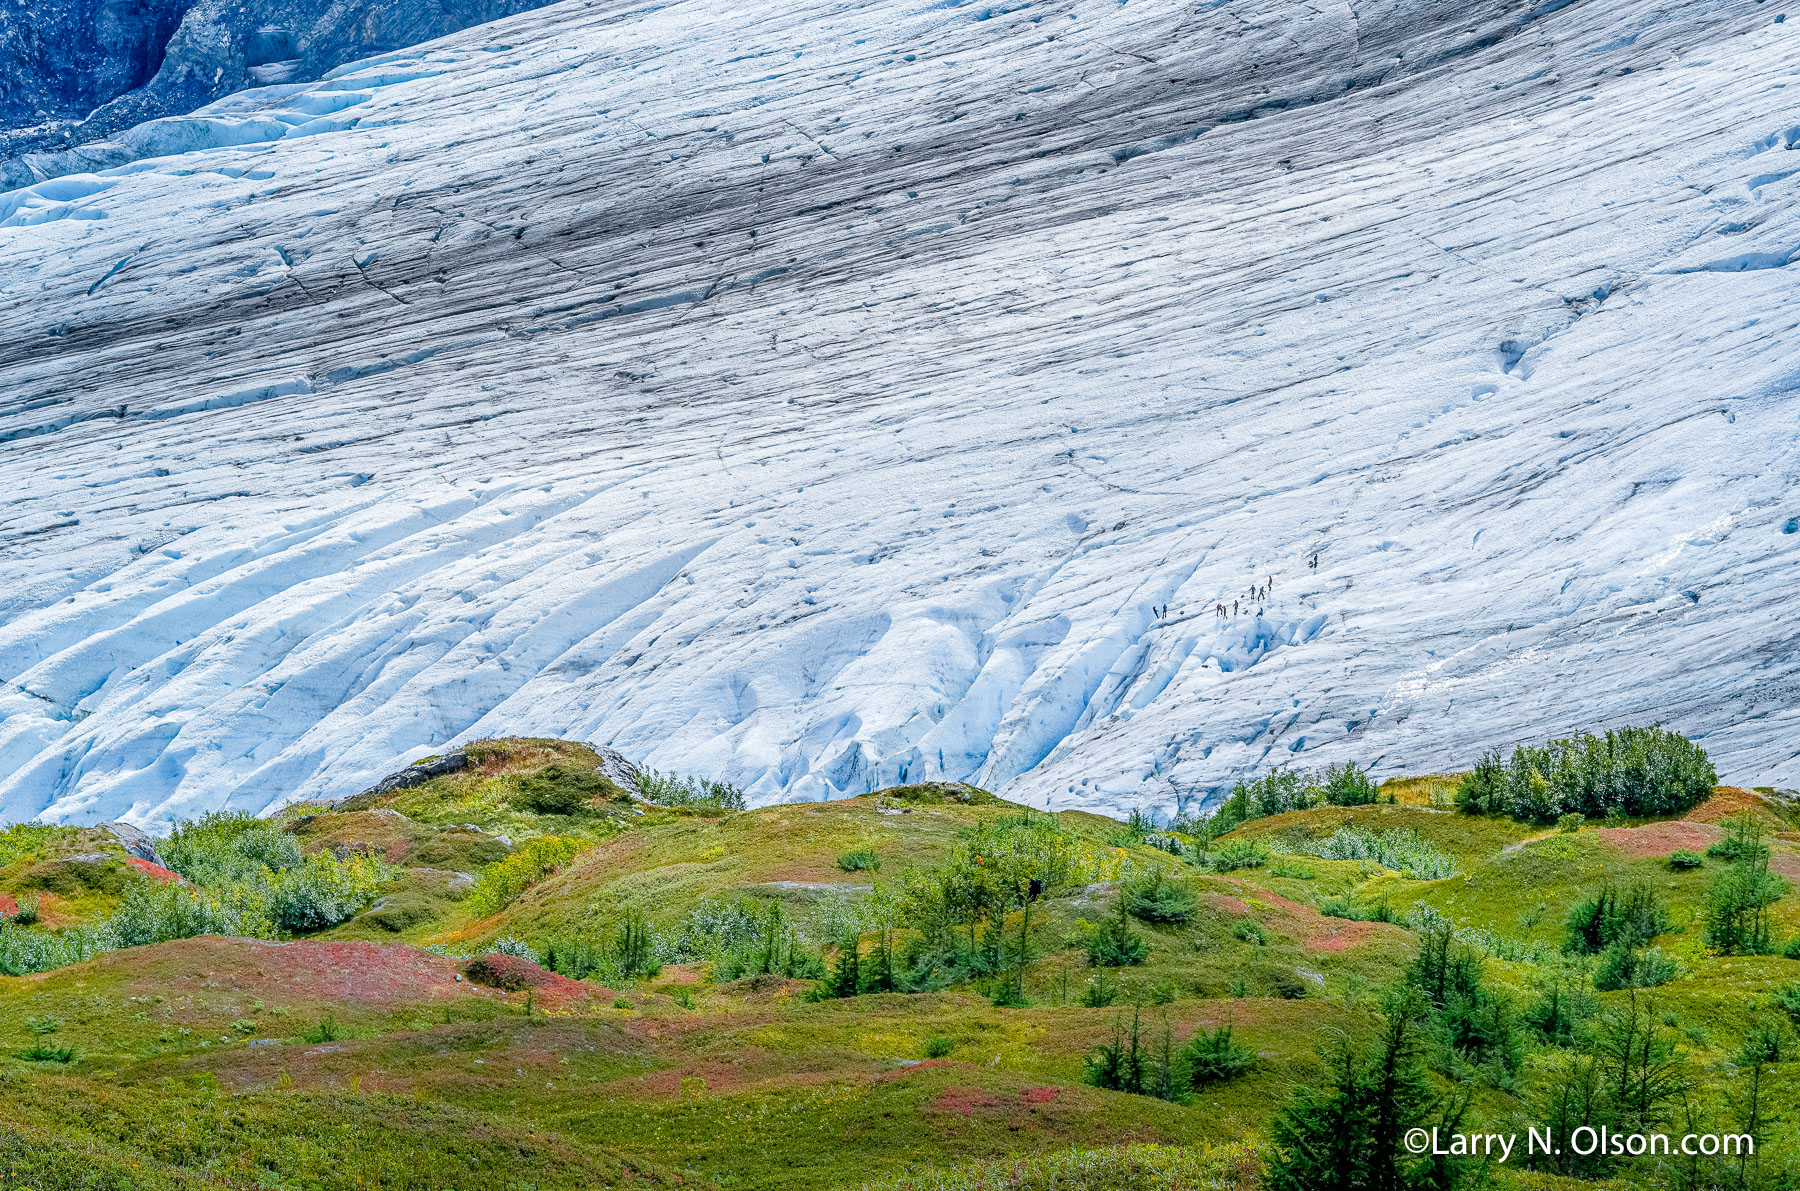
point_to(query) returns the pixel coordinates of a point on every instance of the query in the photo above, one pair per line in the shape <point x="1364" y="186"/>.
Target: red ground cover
<point x="155" y="872"/>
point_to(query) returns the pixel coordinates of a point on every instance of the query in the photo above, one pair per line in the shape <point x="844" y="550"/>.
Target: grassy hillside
<point x="382" y="1050"/>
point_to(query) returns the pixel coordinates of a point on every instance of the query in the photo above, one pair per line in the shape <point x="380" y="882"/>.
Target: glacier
<point x="832" y="395"/>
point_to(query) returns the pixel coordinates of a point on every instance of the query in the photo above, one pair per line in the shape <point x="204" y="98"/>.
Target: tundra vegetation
<point x="523" y="974"/>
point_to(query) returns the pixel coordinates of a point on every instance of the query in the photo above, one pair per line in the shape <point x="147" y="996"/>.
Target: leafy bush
<point x="1212" y="1056"/>
<point x="153" y="913"/>
<point x="1348" y="785"/>
<point x="1236" y="854"/>
<point x="29" y="841"/>
<point x="1570" y="822"/>
<point x="323" y="891"/>
<point x="229" y="846"/>
<point x="939" y="1045"/>
<point x="775" y="949"/>
<point x="1402" y="849"/>
<point x="1158" y="899"/>
<point x="692" y="793"/>
<point x="501" y="883"/>
<point x="1249" y="930"/>
<point x="1286" y="866"/>
<point x="858" y="860"/>
<point x="712" y="928"/>
<point x="27" y="913"/>
<point x="1682" y="860"/>
<point x="1632" y="771"/>
<point x="559" y="789"/>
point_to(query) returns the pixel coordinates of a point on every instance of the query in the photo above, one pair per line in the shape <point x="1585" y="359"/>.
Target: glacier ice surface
<point x="824" y="396"/>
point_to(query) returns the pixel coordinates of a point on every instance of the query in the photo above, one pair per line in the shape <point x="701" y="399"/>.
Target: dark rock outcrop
<point x="413" y="775"/>
<point x="61" y="59"/>
<point x="78" y="71"/>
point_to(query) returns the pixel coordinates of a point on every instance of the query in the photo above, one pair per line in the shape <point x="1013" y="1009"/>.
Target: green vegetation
<point x="859" y="860"/>
<point x="1737" y="905"/>
<point x="702" y="795"/>
<point x="627" y="994"/>
<point x="1632" y="771"/>
<point x="502" y="882"/>
<point x="1401" y="849"/>
<point x="1118" y="1168"/>
<point x="1281" y="790"/>
<point x="1157" y="898"/>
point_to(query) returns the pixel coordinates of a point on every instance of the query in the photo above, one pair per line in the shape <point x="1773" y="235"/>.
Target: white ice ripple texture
<point x="829" y="395"/>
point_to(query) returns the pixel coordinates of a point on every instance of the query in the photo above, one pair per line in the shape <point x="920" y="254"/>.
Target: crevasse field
<point x="826" y="395"/>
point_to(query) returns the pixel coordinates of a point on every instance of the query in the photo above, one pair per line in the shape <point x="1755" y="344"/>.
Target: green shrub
<point x="1158" y="899"/>
<point x="691" y="793"/>
<point x="1402" y="849"/>
<point x="501" y="883"/>
<point x="229" y="846"/>
<point x="1249" y="930"/>
<point x="1787" y="999"/>
<point x="559" y="789"/>
<point x="1624" y="966"/>
<point x="1348" y="785"/>
<point x="1128" y="1062"/>
<point x="1631" y="771"/>
<point x="1681" y="860"/>
<point x="323" y="891"/>
<point x="29" y="841"/>
<point x="1287" y="866"/>
<point x="327" y="1030"/>
<point x="1236" y="854"/>
<point x="1100" y="991"/>
<point x="1113" y="944"/>
<point x="1632" y="916"/>
<point x="635" y="949"/>
<point x="153" y="913"/>
<point x="1738" y="901"/>
<point x="1337" y="906"/>
<point x="775" y="948"/>
<point x="1570" y="822"/>
<point x="712" y="928"/>
<point x="939" y="1045"/>
<point x="44" y="1052"/>
<point x="1792" y="950"/>
<point x="27" y="913"/>
<point x="858" y="860"/>
<point x="1273" y="793"/>
<point x="1212" y="1056"/>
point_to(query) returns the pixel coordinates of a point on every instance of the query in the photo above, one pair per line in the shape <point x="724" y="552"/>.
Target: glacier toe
<point x="824" y="396"/>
